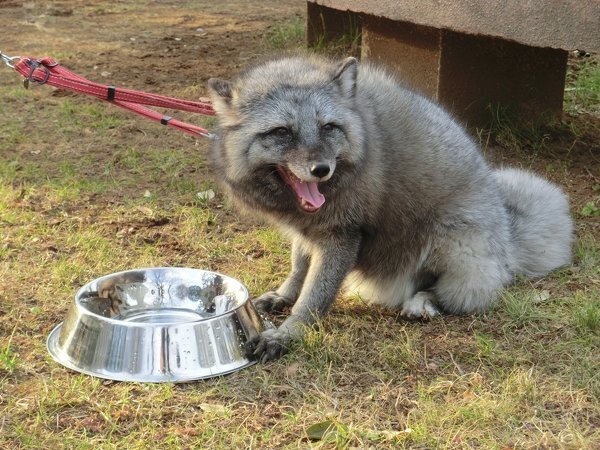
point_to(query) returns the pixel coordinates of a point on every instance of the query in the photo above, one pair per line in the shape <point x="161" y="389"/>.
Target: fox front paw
<point x="271" y="302"/>
<point x="268" y="346"/>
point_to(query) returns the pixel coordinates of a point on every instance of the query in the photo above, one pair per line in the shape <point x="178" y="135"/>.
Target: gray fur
<point x="414" y="218"/>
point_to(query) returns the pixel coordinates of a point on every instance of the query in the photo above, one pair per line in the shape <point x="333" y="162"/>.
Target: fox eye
<point x="280" y="132"/>
<point x="328" y="127"/>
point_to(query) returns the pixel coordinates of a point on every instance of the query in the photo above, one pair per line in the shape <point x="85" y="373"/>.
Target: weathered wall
<point x="564" y="24"/>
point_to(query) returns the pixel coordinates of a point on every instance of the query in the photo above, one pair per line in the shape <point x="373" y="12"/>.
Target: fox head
<point x="290" y="128"/>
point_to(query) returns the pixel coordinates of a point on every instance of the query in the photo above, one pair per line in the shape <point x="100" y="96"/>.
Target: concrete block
<point x="564" y="24"/>
<point x="471" y="74"/>
<point x="477" y="73"/>
<point x="412" y="51"/>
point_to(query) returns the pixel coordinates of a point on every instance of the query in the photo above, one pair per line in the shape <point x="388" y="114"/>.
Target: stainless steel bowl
<point x="158" y="325"/>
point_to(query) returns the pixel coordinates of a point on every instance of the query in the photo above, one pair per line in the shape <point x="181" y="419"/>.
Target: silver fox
<point x="381" y="192"/>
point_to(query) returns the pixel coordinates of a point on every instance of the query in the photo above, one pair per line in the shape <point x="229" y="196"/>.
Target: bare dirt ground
<point x="91" y="190"/>
<point x="170" y="48"/>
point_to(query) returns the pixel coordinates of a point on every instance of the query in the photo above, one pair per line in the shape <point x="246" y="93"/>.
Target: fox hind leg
<point x="473" y="268"/>
<point x="420" y="305"/>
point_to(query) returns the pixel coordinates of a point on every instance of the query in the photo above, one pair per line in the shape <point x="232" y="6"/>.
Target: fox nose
<point x="320" y="170"/>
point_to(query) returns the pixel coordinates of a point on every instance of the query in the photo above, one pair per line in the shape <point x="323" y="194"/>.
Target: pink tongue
<point x="310" y="192"/>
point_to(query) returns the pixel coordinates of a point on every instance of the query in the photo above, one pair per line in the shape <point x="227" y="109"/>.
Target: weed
<point x="11" y="135"/>
<point x="316" y="345"/>
<point x="404" y="351"/>
<point x="587" y="318"/>
<point x="590" y="209"/>
<point x="486" y="345"/>
<point x="27" y="173"/>
<point x="520" y="308"/>
<point x="587" y="253"/>
<point x="582" y="95"/>
<point x="286" y="34"/>
<point x="8" y="357"/>
<point x="345" y="43"/>
<point x="526" y="138"/>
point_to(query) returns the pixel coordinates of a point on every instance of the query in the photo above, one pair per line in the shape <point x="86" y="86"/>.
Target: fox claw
<point x="268" y="346"/>
<point x="271" y="302"/>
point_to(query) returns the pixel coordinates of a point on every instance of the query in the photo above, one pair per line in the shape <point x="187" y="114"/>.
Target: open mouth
<point x="309" y="197"/>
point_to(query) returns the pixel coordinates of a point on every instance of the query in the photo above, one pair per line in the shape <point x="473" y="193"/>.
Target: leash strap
<point x="48" y="71"/>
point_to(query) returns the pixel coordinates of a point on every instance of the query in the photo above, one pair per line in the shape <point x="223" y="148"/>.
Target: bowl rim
<point x="109" y="320"/>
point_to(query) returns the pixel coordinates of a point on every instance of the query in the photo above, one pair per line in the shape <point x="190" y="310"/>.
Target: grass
<point x="8" y="357"/>
<point x="583" y="94"/>
<point x="342" y="43"/>
<point x="286" y="34"/>
<point x="86" y="189"/>
<point x="528" y="139"/>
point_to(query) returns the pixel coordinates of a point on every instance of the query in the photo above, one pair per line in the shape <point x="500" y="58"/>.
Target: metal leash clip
<point x="33" y="65"/>
<point x="9" y="60"/>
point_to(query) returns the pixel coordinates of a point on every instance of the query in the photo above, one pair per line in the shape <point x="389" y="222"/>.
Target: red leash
<point x="48" y="71"/>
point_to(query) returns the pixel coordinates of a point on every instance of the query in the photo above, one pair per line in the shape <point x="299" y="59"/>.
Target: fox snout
<point x="304" y="180"/>
<point x="320" y="169"/>
<point x="317" y="171"/>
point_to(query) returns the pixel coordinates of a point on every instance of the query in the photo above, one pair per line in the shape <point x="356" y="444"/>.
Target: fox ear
<point x="345" y="76"/>
<point x="221" y="94"/>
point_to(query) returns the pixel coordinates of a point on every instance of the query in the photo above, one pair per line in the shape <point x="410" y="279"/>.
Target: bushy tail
<point x="541" y="223"/>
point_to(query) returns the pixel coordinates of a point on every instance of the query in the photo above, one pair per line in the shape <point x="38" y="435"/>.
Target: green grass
<point x="583" y="94"/>
<point x="286" y="34"/>
<point x="87" y="117"/>
<point x="339" y="44"/>
<point x="8" y="357"/>
<point x="530" y="138"/>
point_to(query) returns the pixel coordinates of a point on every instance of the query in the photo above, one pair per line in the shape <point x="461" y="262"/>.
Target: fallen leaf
<point x="391" y="434"/>
<point x="476" y="379"/>
<point x="213" y="408"/>
<point x="145" y="210"/>
<point x="541" y="296"/>
<point x="432" y="366"/>
<point x="468" y="395"/>
<point x="318" y="430"/>
<point x="292" y="369"/>
<point x="124" y="413"/>
<point x="186" y="431"/>
<point x="206" y="195"/>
